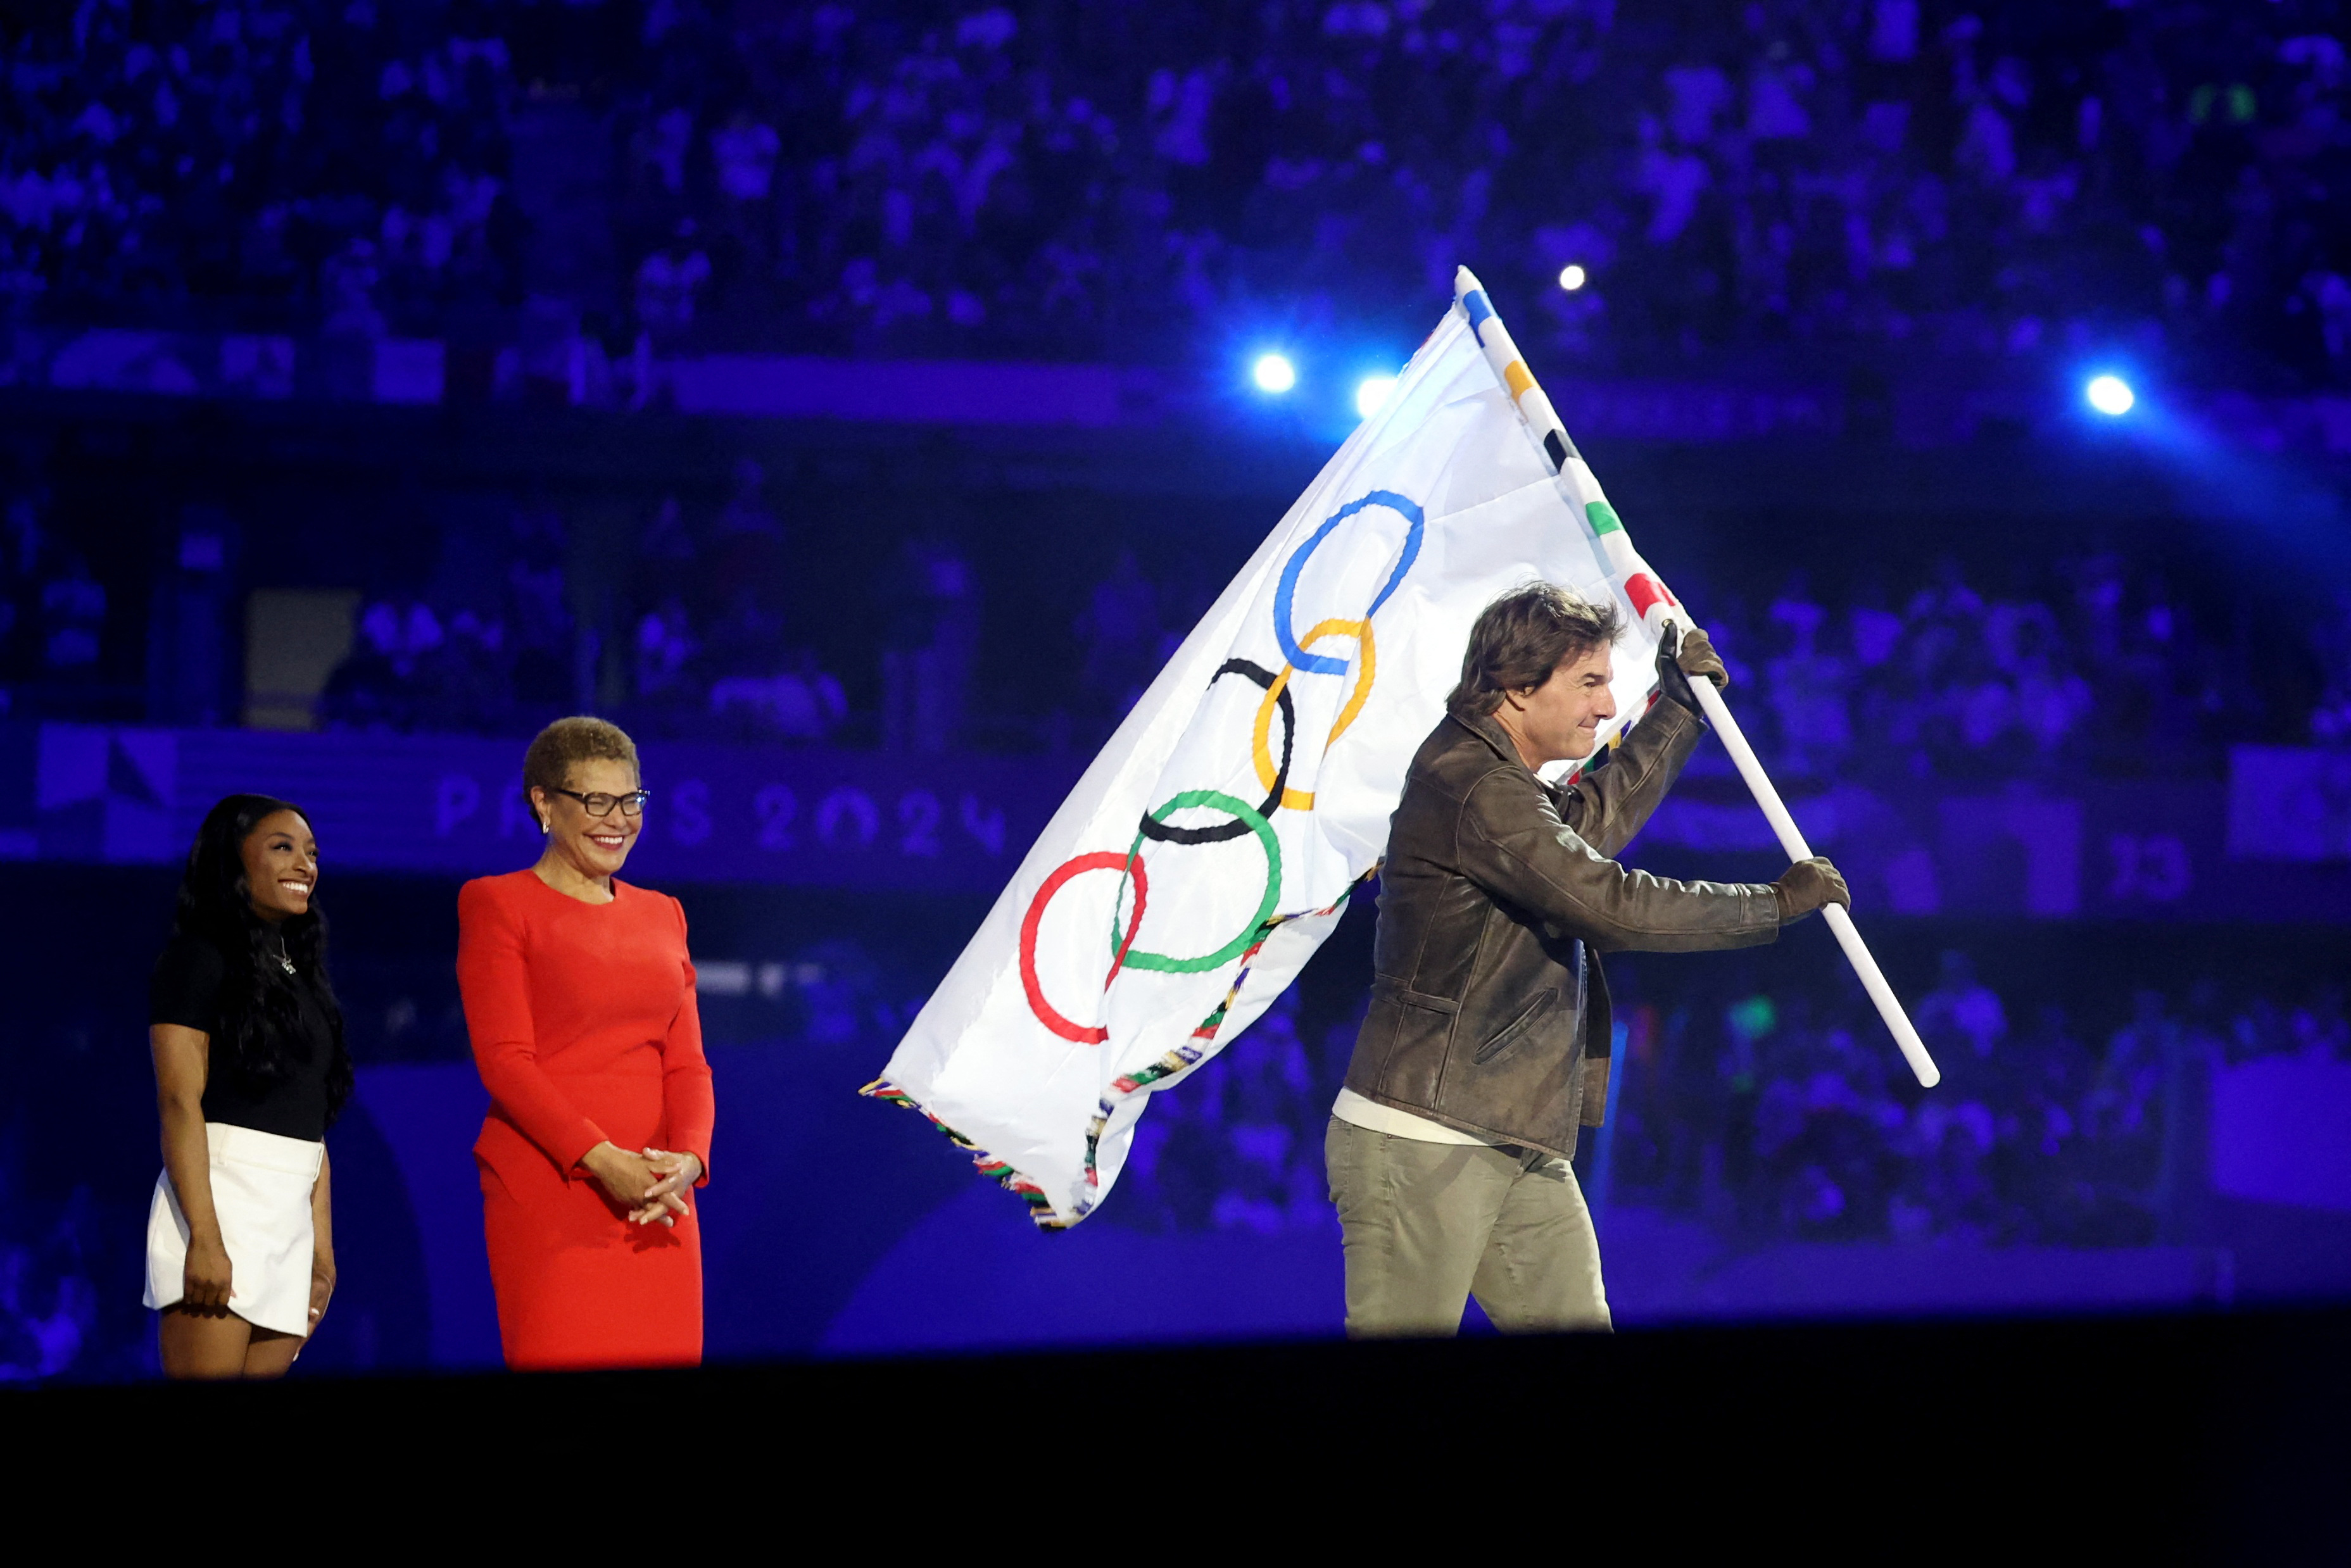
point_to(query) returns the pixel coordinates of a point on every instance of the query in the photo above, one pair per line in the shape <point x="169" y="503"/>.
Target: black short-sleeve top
<point x="185" y="989"/>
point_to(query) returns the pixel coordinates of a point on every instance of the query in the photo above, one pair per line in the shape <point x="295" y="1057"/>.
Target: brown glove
<point x="1696" y="657"/>
<point x="1805" y="886"/>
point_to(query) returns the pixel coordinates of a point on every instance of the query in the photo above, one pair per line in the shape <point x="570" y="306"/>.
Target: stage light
<point x="1371" y="392"/>
<point x="1274" y="373"/>
<point x="1572" y="278"/>
<point x="2110" y="395"/>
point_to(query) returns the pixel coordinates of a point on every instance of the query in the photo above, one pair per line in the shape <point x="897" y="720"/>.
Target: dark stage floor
<point x="2205" y="1438"/>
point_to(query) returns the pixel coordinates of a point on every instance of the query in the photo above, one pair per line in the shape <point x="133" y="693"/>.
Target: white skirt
<point x="261" y="1191"/>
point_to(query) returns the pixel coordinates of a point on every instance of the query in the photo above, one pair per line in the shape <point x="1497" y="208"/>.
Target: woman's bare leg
<point x="204" y="1345"/>
<point x="270" y="1352"/>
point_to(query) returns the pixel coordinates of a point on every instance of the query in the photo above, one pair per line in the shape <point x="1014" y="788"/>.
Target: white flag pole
<point x="1658" y="610"/>
<point x="1783" y="827"/>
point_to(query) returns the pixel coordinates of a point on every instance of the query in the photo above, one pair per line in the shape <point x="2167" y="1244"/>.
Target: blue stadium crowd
<point x="2094" y="664"/>
<point x="1872" y="178"/>
<point x="1875" y="182"/>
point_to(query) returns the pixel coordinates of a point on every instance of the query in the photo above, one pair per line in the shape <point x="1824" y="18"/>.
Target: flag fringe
<point x="1002" y="1172"/>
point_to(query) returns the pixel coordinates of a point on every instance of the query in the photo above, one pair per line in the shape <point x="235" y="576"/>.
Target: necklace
<point x="284" y="962"/>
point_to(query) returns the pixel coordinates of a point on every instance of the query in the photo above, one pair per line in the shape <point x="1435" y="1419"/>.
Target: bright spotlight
<point x="1371" y="392"/>
<point x="1572" y="278"/>
<point x="1274" y="373"/>
<point x="2110" y="395"/>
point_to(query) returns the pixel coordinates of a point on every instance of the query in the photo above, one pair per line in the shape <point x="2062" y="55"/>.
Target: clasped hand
<point x="651" y="1185"/>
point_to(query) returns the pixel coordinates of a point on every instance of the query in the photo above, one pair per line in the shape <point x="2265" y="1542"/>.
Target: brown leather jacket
<point x="1487" y="1014"/>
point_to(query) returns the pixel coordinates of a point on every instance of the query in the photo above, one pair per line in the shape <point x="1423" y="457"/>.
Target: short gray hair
<point x="568" y="742"/>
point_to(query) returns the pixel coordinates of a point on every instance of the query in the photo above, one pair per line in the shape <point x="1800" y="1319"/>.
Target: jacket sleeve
<point x="494" y="980"/>
<point x="688" y="1105"/>
<point x="1611" y="803"/>
<point x="1512" y="843"/>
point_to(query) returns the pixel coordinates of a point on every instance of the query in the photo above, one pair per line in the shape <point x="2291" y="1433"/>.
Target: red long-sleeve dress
<point x="584" y="1027"/>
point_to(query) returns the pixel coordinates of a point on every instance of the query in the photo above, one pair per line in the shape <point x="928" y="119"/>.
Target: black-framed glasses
<point x="599" y="804"/>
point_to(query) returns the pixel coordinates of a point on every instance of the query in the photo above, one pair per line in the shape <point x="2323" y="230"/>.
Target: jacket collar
<point x="1497" y="738"/>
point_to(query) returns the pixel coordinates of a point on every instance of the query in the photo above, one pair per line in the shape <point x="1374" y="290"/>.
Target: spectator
<point x="745" y="152"/>
<point x="931" y="643"/>
<point x="1119" y="640"/>
<point x="748" y="544"/>
<point x="73" y="621"/>
<point x="22" y="548"/>
<point x="1961" y="1013"/>
<point x="666" y="554"/>
<point x="1810" y="691"/>
<point x="799" y="703"/>
<point x="466" y="680"/>
<point x="670" y="281"/>
<point x="543" y="661"/>
<point x="665" y="647"/>
<point x="379" y="685"/>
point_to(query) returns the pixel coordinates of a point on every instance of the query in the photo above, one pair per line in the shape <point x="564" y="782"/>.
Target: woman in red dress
<point x="580" y="997"/>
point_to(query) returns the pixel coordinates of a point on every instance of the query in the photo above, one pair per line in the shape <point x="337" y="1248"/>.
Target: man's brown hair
<point x="1521" y="638"/>
<point x="568" y="742"/>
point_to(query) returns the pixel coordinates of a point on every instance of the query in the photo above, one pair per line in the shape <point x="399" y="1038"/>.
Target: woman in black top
<point x="249" y="1070"/>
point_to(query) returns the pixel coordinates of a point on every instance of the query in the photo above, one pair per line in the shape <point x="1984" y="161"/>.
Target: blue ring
<point x="1286" y="595"/>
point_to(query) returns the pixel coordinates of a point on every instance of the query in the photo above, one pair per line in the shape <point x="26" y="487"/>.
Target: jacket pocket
<point x="1387" y="989"/>
<point x="1515" y="1028"/>
<point x="1415" y="1034"/>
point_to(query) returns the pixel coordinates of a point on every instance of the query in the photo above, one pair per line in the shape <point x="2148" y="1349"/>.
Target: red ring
<point x="1101" y="860"/>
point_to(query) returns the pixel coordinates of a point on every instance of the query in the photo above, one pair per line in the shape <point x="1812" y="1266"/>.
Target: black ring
<point x="1160" y="833"/>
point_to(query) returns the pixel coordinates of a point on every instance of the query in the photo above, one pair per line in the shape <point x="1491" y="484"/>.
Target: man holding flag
<point x="1272" y="768"/>
<point x="1487" y="1042"/>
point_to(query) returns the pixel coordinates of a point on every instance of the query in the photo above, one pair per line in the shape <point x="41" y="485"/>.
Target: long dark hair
<point x="260" y="1003"/>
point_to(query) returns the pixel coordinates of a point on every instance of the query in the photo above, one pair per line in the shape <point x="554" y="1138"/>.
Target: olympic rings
<point x="1286" y="594"/>
<point x="1303" y="799"/>
<point x="1266" y="841"/>
<point x="1102" y="860"/>
<point x="1154" y="826"/>
<point x="1274" y="778"/>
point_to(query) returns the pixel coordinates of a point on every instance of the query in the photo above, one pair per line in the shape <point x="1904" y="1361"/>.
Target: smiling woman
<point x="580" y="997"/>
<point x="250" y="1069"/>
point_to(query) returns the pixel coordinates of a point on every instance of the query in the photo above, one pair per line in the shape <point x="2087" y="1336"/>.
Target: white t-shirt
<point x="1373" y="1117"/>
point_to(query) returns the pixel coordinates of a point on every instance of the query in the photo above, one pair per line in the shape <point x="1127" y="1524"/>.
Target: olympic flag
<point x="1208" y="850"/>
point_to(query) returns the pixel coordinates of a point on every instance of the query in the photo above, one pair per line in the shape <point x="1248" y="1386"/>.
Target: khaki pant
<point x="1427" y="1226"/>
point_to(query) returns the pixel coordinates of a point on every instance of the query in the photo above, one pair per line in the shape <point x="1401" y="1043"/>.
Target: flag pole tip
<point x="1465" y="282"/>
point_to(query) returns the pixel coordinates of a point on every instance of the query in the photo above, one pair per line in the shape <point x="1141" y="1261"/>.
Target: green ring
<point x="1238" y="944"/>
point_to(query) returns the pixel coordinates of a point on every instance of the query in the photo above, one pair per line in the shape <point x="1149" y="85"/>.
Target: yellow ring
<point x="1260" y="752"/>
<point x="1261" y="749"/>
